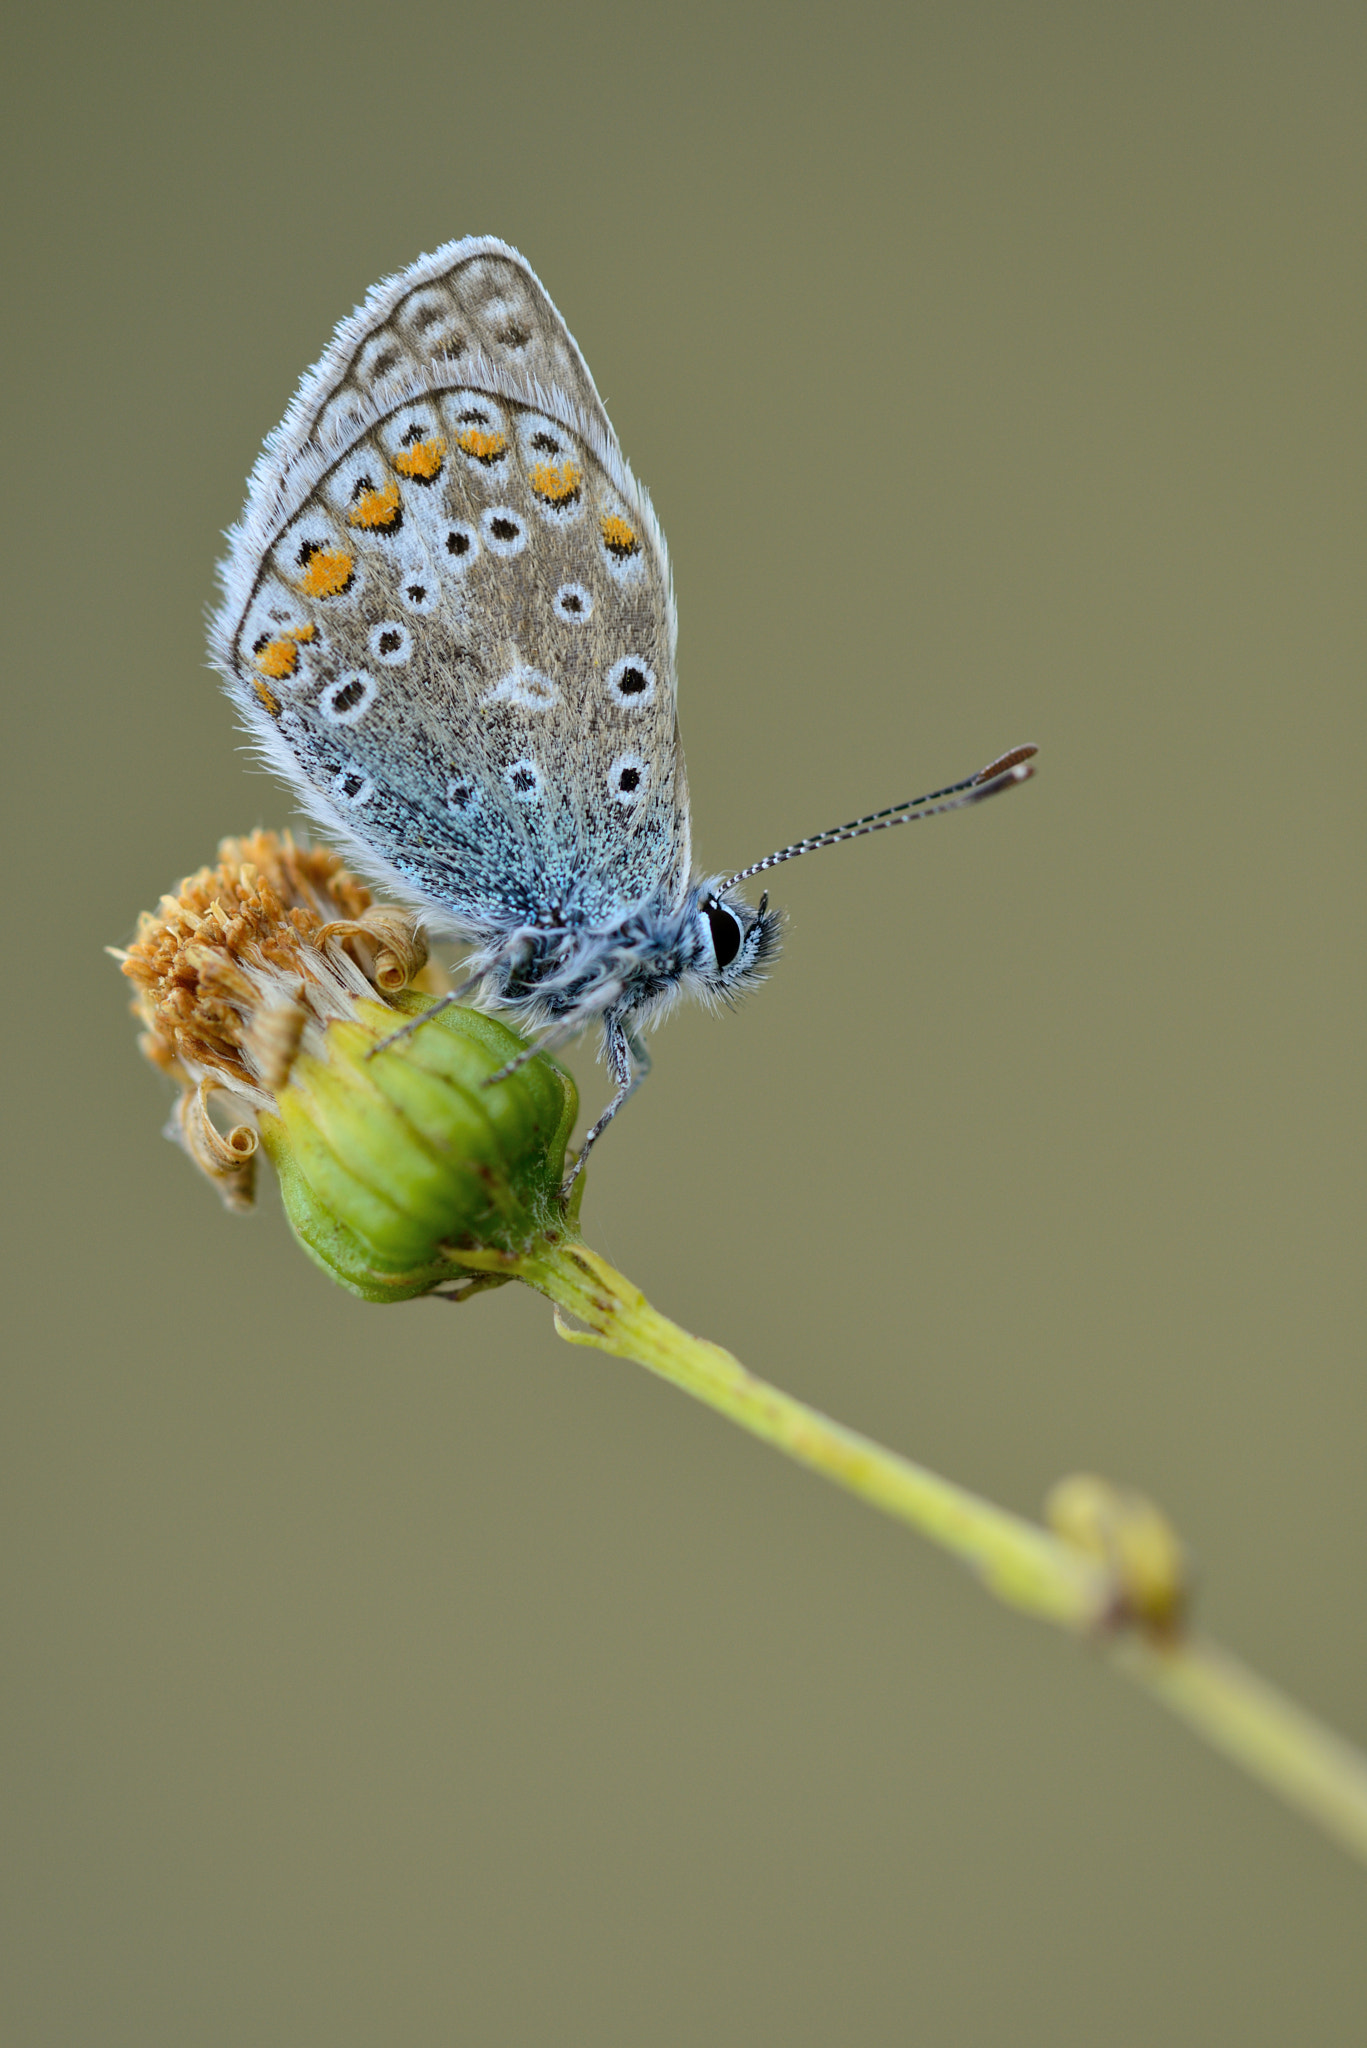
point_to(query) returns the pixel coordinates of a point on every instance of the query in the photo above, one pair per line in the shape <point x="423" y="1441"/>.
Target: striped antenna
<point x="1000" y="774"/>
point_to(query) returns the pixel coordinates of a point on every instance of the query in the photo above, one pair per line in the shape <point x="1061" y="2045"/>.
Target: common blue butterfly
<point x="448" y="622"/>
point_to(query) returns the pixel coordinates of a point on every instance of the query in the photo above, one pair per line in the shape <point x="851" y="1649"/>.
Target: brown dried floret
<point x="236" y="968"/>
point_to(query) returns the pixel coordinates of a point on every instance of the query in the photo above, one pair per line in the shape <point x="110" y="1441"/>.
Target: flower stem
<point x="1022" y="1563"/>
<point x="1025" y="1565"/>
<point x="1306" y="1765"/>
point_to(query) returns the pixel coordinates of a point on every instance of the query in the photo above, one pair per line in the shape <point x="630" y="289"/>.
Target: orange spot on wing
<point x="278" y="658"/>
<point x="267" y="695"/>
<point x="376" y="509"/>
<point x="619" y="538"/>
<point x="300" y="633"/>
<point x="559" y="485"/>
<point x="483" y="447"/>
<point x="328" y="573"/>
<point x="423" y="460"/>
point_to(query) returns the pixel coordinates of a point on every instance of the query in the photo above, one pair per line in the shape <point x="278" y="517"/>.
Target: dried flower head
<point x="236" y="969"/>
<point x="267" y="987"/>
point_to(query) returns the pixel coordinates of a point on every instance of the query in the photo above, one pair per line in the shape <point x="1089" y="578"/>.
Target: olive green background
<point x="400" y="1675"/>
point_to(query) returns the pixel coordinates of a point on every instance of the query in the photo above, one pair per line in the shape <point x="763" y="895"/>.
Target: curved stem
<point x="1022" y="1563"/>
<point x="1277" y="1742"/>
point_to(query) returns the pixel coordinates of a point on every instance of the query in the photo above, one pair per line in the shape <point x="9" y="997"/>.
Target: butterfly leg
<point x="629" y="1063"/>
<point x="413" y="1024"/>
<point x="518" y="954"/>
<point x="549" y="1041"/>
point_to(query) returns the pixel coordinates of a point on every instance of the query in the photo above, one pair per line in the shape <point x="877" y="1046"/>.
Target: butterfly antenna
<point x="1003" y="773"/>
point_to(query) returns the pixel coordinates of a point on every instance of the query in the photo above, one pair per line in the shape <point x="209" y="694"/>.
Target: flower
<point x="268" y="987"/>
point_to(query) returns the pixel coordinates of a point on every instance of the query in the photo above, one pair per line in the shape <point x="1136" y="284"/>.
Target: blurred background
<point x="402" y="1675"/>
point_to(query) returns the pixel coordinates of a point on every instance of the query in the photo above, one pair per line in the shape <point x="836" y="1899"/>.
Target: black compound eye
<point x="725" y="927"/>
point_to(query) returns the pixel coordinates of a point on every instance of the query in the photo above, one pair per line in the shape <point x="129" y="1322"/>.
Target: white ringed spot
<point x="628" y="780"/>
<point x="349" y="698"/>
<point x="351" y="786"/>
<point x="390" y="642"/>
<point x="460" y="545"/>
<point x="524" y="780"/>
<point x="504" y="530"/>
<point x="631" y="682"/>
<point x="573" y="603"/>
<point x="463" y="795"/>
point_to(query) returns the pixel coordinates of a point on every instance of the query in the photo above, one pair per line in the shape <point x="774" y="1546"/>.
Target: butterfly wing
<point x="447" y="617"/>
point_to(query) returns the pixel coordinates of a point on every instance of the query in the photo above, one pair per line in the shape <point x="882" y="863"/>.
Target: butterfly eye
<point x="725" y="929"/>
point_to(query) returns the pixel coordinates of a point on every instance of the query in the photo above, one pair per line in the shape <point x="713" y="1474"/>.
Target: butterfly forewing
<point x="448" y="614"/>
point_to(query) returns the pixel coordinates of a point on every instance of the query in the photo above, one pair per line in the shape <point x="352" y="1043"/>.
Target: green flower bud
<point x="391" y="1162"/>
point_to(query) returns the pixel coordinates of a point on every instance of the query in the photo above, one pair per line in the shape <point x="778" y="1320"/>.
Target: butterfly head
<point x="735" y="943"/>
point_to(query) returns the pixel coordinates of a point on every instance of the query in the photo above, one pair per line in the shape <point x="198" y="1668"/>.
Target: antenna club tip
<point x="1013" y="766"/>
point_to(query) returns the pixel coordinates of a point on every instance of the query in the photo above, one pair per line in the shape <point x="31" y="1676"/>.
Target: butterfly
<point x="448" y="622"/>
